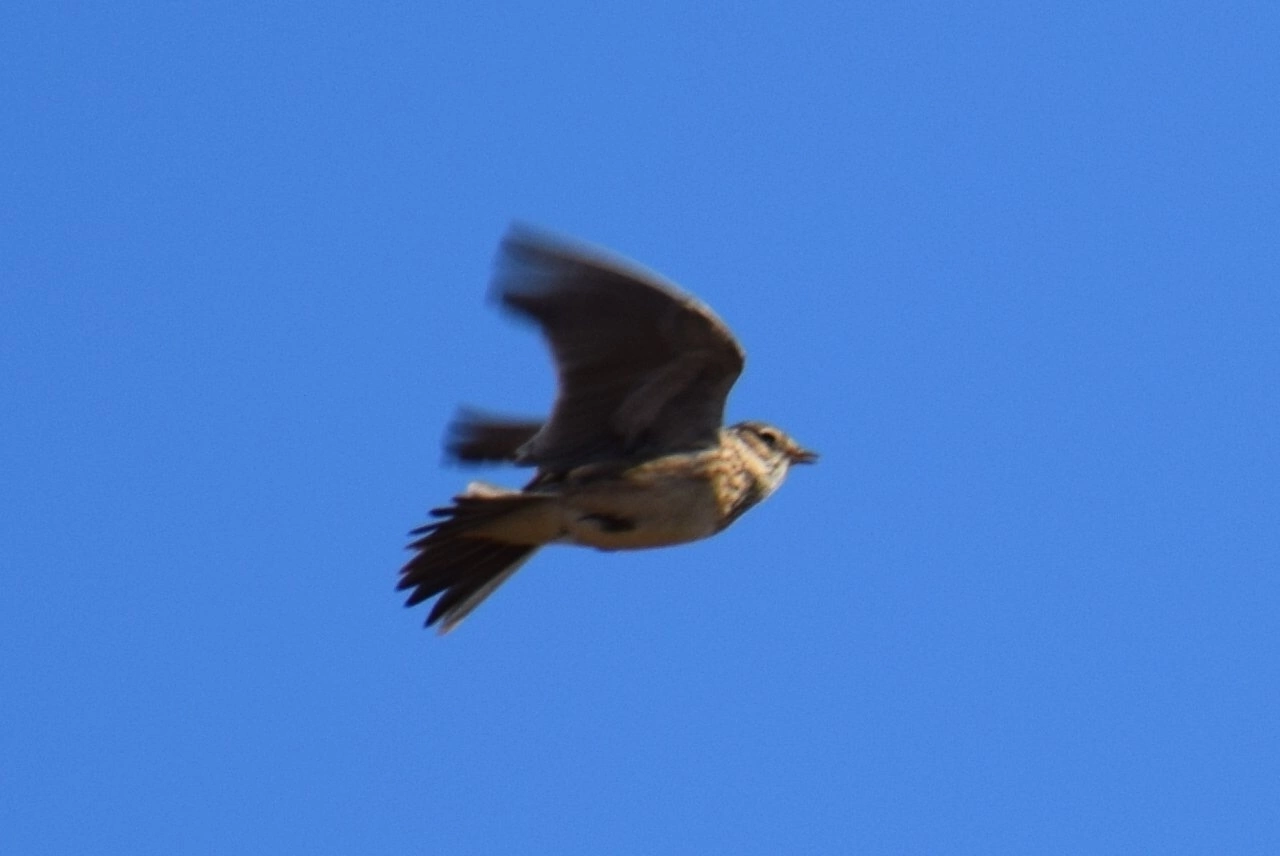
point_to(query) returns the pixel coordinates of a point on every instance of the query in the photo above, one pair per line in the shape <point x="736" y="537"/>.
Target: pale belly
<point x="623" y="516"/>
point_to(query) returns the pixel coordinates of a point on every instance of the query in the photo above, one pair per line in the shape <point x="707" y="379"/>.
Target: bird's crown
<point x="772" y="444"/>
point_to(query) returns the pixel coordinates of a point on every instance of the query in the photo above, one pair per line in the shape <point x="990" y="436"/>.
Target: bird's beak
<point x="803" y="456"/>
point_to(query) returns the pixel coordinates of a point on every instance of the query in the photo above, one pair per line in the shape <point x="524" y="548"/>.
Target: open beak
<point x="803" y="456"/>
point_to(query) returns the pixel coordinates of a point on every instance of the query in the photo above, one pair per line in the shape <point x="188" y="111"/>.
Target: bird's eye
<point x="770" y="439"/>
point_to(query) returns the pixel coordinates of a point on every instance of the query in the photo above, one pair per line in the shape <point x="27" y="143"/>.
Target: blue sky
<point x="1012" y="270"/>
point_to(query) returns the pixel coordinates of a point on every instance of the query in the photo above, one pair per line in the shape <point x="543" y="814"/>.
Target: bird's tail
<point x="482" y="539"/>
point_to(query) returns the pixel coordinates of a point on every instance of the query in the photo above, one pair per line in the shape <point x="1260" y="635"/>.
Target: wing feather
<point x="641" y="366"/>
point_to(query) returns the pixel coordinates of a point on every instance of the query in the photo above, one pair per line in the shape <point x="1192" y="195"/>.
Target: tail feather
<point x="469" y="592"/>
<point x="457" y="563"/>
<point x="431" y="572"/>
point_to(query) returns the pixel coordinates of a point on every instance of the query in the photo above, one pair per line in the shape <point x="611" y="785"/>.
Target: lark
<point x="634" y="454"/>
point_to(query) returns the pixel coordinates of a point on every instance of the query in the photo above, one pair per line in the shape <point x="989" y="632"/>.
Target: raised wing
<point x="642" y="367"/>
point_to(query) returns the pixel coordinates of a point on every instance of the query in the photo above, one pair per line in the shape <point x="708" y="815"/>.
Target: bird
<point x="634" y="453"/>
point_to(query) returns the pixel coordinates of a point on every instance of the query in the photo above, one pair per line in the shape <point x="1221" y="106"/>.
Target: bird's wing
<point x="477" y="437"/>
<point x="642" y="367"/>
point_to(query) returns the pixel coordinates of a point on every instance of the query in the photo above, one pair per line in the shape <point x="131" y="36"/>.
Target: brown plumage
<point x="634" y="453"/>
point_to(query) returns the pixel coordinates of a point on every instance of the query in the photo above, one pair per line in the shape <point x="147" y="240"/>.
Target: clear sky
<point x="1011" y="268"/>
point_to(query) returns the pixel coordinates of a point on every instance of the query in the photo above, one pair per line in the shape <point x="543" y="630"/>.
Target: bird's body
<point x="634" y="455"/>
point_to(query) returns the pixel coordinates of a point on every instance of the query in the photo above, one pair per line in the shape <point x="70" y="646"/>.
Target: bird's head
<point x="774" y="448"/>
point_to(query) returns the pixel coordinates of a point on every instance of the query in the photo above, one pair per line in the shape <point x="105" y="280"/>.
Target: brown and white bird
<point x="634" y="453"/>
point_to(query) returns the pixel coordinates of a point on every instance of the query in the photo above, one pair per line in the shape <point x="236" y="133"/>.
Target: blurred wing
<point x="642" y="367"/>
<point x="477" y="437"/>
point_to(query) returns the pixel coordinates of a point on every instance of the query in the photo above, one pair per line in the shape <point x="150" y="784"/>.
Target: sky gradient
<point x="1012" y="271"/>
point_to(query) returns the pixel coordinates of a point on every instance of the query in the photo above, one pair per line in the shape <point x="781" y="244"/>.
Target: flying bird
<point x="634" y="454"/>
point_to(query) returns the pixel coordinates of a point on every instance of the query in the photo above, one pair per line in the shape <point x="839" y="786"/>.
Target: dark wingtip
<point x="476" y="437"/>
